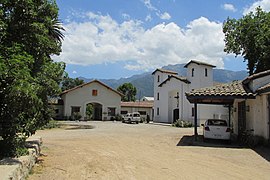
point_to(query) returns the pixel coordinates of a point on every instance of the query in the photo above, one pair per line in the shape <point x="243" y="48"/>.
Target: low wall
<point x="19" y="168"/>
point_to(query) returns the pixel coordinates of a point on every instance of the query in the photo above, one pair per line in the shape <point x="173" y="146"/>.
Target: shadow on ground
<point x="190" y="141"/>
<point x="75" y="127"/>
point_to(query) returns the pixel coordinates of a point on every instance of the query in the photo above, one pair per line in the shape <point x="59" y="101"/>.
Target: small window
<point x="75" y="109"/>
<point x="205" y="72"/>
<point x="193" y="112"/>
<point x="94" y="92"/>
<point x="158" y="78"/>
<point x="56" y="111"/>
<point x="157" y="96"/>
<point x="111" y="111"/>
<point x="157" y="111"/>
<point x="124" y="112"/>
<point x="192" y="72"/>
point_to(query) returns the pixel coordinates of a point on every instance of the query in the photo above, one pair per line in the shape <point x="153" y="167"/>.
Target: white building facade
<point x="106" y="101"/>
<point x="171" y="103"/>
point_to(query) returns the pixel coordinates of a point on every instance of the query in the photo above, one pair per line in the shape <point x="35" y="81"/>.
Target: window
<point x="142" y="113"/>
<point x="94" y="92"/>
<point x="111" y="111"/>
<point x="157" y="111"/>
<point x="75" y="109"/>
<point x="193" y="112"/>
<point x="205" y="72"/>
<point x="124" y="112"/>
<point x="158" y="78"/>
<point x="192" y="72"/>
<point x="157" y="96"/>
<point x="56" y="111"/>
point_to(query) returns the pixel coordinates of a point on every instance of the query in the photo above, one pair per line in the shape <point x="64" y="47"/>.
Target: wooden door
<point x="241" y="117"/>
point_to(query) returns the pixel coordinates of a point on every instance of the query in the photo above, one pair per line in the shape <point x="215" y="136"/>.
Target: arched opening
<point x="94" y="111"/>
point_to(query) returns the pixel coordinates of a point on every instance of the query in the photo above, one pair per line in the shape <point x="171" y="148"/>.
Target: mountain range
<point x="145" y="82"/>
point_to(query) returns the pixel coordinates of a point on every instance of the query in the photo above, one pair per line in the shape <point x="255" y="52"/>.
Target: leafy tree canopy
<point x="69" y="83"/>
<point x="249" y="37"/>
<point x="29" y="34"/>
<point x="129" y="92"/>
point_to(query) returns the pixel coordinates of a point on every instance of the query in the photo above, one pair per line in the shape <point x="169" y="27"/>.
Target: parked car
<point x="132" y="117"/>
<point x="216" y="129"/>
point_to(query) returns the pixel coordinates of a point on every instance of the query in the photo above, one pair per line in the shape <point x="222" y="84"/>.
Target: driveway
<point x="113" y="150"/>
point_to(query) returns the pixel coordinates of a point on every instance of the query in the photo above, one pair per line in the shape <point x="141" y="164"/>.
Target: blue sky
<point x="107" y="39"/>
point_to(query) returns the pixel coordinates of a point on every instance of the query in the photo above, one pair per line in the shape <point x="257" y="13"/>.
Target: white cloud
<point x="229" y="7"/>
<point x="126" y="16"/>
<point x="148" y="18"/>
<point x="74" y="72"/>
<point x="265" y="5"/>
<point x="148" y="4"/>
<point x="103" y="40"/>
<point x="165" y="16"/>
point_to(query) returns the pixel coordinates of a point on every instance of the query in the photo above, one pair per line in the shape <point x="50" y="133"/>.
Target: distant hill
<point x="144" y="82"/>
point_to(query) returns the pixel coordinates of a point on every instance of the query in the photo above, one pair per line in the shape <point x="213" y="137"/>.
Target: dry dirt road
<point x="144" y="151"/>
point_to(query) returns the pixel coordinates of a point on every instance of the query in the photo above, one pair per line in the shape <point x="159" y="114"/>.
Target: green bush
<point x="51" y="124"/>
<point x="181" y="123"/>
<point x="76" y="116"/>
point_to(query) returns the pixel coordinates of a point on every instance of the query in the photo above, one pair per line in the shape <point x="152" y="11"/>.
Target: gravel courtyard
<point x="113" y="150"/>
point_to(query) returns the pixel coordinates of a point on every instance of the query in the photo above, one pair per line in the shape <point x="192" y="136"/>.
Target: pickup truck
<point x="132" y="117"/>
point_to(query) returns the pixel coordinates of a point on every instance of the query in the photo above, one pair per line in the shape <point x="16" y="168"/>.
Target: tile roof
<point x="233" y="89"/>
<point x="97" y="81"/>
<point x="145" y="104"/>
<point x="263" y="89"/>
<point x="199" y="63"/>
<point x="164" y="71"/>
<point x="180" y="78"/>
<point x="256" y="76"/>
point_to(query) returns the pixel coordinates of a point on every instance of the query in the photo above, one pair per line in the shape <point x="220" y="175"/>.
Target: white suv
<point x="132" y="117"/>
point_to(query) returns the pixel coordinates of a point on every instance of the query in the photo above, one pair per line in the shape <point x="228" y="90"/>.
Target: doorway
<point x="268" y="98"/>
<point x="241" y="117"/>
<point x="175" y="115"/>
<point x="94" y="111"/>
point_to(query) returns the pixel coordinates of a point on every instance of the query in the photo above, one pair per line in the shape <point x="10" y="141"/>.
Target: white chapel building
<point x="170" y="102"/>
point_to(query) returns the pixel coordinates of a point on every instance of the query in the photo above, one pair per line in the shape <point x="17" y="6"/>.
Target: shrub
<point x="181" y="123"/>
<point x="76" y="116"/>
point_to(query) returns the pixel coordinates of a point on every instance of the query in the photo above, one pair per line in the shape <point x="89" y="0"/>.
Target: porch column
<point x="195" y="121"/>
<point x="230" y="107"/>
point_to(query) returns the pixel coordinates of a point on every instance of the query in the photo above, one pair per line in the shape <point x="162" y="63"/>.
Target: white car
<point x="132" y="117"/>
<point x="216" y="129"/>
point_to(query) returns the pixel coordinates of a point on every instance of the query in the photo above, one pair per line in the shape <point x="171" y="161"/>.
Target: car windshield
<point x="136" y="115"/>
<point x="215" y="122"/>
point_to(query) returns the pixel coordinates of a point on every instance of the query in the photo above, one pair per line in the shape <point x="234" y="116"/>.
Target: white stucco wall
<point x="167" y="101"/>
<point x="83" y="96"/>
<point x="199" y="80"/>
<point x="257" y="117"/>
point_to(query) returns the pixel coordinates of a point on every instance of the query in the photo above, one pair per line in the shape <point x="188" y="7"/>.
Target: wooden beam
<point x="195" y="120"/>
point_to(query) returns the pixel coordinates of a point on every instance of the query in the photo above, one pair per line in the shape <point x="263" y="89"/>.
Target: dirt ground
<point x="112" y="150"/>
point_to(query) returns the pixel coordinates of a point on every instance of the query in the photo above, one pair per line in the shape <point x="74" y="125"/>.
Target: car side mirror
<point x="202" y="125"/>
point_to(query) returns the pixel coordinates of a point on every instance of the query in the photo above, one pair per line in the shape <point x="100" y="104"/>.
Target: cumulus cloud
<point x="264" y="4"/>
<point x="101" y="39"/>
<point x="165" y="16"/>
<point x="74" y="72"/>
<point x="229" y="7"/>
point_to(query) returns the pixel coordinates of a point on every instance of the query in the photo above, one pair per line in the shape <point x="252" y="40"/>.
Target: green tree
<point x="89" y="111"/>
<point x="69" y="83"/>
<point x="249" y="37"/>
<point x="30" y="34"/>
<point x="129" y="92"/>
